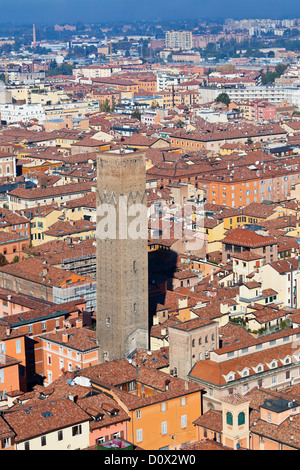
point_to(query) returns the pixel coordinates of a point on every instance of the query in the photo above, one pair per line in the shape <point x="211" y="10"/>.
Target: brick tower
<point x="122" y="255"/>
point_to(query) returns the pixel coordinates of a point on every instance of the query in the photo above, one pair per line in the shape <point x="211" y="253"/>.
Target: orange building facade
<point x="32" y="325"/>
<point x="165" y="425"/>
<point x="13" y="246"/>
<point x="15" y="347"/>
<point x="162" y="421"/>
<point x="238" y="192"/>
<point x="63" y="351"/>
<point x="13" y="366"/>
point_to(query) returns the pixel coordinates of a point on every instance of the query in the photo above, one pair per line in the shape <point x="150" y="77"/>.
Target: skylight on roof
<point x="47" y="414"/>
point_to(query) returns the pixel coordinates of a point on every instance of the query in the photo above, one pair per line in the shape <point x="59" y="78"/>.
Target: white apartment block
<point x="95" y="71"/>
<point x="273" y="94"/>
<point x="165" y="79"/>
<point x="149" y="116"/>
<point x="179" y="40"/>
<point x="292" y="95"/>
<point x="11" y="113"/>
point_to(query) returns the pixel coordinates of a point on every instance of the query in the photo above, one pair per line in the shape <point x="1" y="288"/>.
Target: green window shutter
<point x="241" y="418"/>
<point x="229" y="419"/>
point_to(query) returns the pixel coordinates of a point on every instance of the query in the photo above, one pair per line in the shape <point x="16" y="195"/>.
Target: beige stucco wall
<point x="69" y="442"/>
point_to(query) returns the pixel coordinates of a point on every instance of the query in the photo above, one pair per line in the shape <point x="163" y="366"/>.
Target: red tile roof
<point x="30" y="423"/>
<point x="248" y="238"/>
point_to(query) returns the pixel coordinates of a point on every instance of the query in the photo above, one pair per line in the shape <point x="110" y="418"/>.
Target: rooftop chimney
<point x="65" y="337"/>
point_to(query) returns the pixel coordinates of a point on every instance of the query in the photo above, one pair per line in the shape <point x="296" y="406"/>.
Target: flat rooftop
<point x="279" y="405"/>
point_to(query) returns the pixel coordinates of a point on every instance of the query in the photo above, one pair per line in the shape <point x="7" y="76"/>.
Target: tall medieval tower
<point x="122" y="255"/>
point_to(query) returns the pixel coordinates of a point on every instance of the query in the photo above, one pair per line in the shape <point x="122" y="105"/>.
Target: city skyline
<point x="96" y="11"/>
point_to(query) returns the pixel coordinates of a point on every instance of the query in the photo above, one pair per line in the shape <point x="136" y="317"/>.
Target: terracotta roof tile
<point x="248" y="238"/>
<point x="211" y="419"/>
<point x="41" y="419"/>
<point x="207" y="444"/>
<point x="81" y="339"/>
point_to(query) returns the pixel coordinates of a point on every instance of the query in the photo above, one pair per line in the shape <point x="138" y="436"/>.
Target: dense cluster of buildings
<point x="187" y="335"/>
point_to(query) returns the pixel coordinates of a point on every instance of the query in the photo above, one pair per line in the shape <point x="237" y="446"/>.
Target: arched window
<point x="241" y="418"/>
<point x="229" y="418"/>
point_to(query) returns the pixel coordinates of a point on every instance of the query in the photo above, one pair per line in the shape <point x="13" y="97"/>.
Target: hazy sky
<point x="61" y="11"/>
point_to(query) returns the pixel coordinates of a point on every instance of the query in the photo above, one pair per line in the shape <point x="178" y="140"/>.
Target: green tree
<point x="105" y="107"/>
<point x="154" y="105"/>
<point x="3" y="260"/>
<point x="63" y="69"/>
<point x="136" y="114"/>
<point x="223" y="98"/>
<point x="269" y="76"/>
